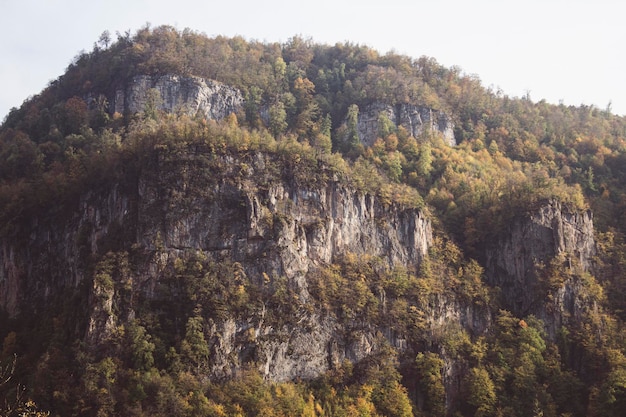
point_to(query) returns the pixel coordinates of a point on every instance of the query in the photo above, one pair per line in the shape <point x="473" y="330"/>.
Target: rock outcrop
<point x="415" y="119"/>
<point x="223" y="208"/>
<point x="517" y="263"/>
<point x="298" y="225"/>
<point x="272" y="226"/>
<point x="190" y="95"/>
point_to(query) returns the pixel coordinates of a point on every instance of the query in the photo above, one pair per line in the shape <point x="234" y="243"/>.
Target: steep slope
<point x="172" y="93"/>
<point x="417" y="120"/>
<point x="221" y="208"/>
<point x="538" y="264"/>
<point x="210" y="226"/>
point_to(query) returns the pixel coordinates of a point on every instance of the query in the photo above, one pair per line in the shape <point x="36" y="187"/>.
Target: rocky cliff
<point x="214" y="100"/>
<point x="521" y="263"/>
<point x="195" y="206"/>
<point x="190" y="95"/>
<point x="219" y="208"/>
<point x="415" y="119"/>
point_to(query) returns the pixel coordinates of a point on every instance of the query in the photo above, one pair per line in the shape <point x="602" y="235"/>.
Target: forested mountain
<point x="222" y="227"/>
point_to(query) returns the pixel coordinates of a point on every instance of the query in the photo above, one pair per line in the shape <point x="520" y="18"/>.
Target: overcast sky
<point x="570" y="51"/>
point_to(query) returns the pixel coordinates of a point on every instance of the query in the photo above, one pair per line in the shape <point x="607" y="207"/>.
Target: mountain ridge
<point x="264" y="248"/>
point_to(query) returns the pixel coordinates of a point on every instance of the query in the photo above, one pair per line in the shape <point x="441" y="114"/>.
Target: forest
<point x="301" y="103"/>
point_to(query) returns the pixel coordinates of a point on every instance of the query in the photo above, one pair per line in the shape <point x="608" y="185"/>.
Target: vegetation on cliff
<point x="301" y="104"/>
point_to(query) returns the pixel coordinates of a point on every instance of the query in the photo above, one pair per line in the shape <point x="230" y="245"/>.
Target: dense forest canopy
<point x="301" y="103"/>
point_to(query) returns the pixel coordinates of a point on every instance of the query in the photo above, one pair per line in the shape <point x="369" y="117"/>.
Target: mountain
<point x="215" y="226"/>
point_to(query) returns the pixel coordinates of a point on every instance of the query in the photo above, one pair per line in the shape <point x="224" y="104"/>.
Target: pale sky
<point x="570" y="51"/>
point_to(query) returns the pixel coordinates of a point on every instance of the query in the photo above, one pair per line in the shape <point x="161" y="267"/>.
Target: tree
<point x="194" y="346"/>
<point x="307" y="109"/>
<point x="393" y="165"/>
<point x="352" y="122"/>
<point x="493" y="147"/>
<point x="424" y="164"/>
<point x="433" y="394"/>
<point x="76" y="115"/>
<point x="322" y="139"/>
<point x="392" y="400"/>
<point x="14" y="402"/>
<point x="142" y="348"/>
<point x="610" y="399"/>
<point x="280" y="70"/>
<point x="105" y="39"/>
<point x="19" y="155"/>
<point x="385" y="126"/>
<point x="152" y="104"/>
<point x="482" y="392"/>
<point x="278" y="118"/>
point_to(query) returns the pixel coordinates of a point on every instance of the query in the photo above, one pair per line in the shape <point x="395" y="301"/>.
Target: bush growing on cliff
<point x="302" y="102"/>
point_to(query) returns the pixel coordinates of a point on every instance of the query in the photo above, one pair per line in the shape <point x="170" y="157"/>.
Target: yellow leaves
<point x="231" y="121"/>
<point x="30" y="409"/>
<point x="303" y="86"/>
<point x="241" y="290"/>
<point x="482" y="390"/>
<point x="362" y="408"/>
<point x="179" y="265"/>
<point x="318" y="409"/>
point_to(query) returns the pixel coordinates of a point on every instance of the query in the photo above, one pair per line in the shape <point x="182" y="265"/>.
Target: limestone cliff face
<point x="415" y="119"/>
<point x="516" y="262"/>
<point x="254" y="210"/>
<point x="280" y="223"/>
<point x="214" y="100"/>
<point x="224" y="207"/>
<point x="191" y="95"/>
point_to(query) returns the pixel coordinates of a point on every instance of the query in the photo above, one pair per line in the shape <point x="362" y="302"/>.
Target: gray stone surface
<point x="415" y="119"/>
<point x="190" y="95"/>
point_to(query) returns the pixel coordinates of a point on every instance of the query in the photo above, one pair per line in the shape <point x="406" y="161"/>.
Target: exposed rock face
<point x="514" y="263"/>
<point x="224" y="208"/>
<point x="272" y="225"/>
<point x="298" y="225"/>
<point x="238" y="208"/>
<point x="415" y="119"/>
<point x="191" y="95"/>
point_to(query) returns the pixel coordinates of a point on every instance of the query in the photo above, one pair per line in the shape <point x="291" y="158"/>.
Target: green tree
<point x="393" y="165"/>
<point x="482" y="392"/>
<point x="142" y="348"/>
<point x="432" y="390"/>
<point x="385" y="126"/>
<point x="352" y="121"/>
<point x="307" y="110"/>
<point x="322" y="138"/>
<point x="424" y="164"/>
<point x="392" y="400"/>
<point x="153" y="103"/>
<point x="105" y="39"/>
<point x="19" y="155"/>
<point x="194" y="346"/>
<point x="610" y="398"/>
<point x="277" y="118"/>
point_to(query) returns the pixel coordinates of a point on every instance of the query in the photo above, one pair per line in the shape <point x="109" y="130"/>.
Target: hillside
<point x="215" y="226"/>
